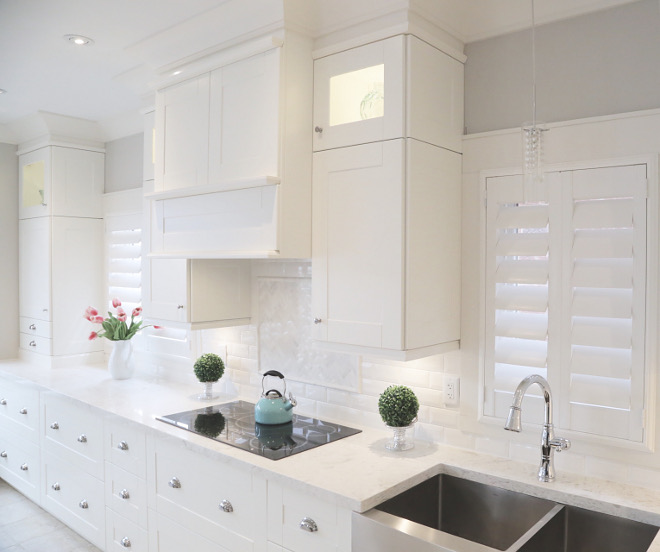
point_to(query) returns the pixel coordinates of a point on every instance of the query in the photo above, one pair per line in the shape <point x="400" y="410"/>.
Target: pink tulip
<point x="97" y="320"/>
<point x="157" y="327"/>
<point x="121" y="315"/>
<point x="90" y="312"/>
<point x="137" y="311"/>
<point x="116" y="302"/>
<point x="92" y="336"/>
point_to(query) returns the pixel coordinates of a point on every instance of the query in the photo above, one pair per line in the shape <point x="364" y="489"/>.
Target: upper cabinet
<point x="233" y="158"/>
<point x="400" y="87"/>
<point x="60" y="181"/>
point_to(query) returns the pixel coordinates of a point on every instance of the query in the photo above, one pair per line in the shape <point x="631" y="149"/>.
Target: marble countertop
<point x="356" y="472"/>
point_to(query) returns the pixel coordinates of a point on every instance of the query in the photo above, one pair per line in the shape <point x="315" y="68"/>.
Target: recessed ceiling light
<point x="2" y="91"/>
<point x="175" y="73"/>
<point x="79" y="40"/>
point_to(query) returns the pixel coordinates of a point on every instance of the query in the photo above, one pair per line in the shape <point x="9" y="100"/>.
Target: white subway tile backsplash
<point x="345" y="388"/>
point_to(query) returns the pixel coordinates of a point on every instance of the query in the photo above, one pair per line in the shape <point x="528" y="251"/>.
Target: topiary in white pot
<point x="208" y="368"/>
<point x="398" y="406"/>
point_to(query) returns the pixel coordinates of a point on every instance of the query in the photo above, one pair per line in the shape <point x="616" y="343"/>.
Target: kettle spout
<point x="292" y="402"/>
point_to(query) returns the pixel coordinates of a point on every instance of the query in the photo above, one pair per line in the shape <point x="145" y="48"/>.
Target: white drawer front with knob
<point x="299" y="522"/>
<point x="126" y="494"/>
<point x="74" y="431"/>
<point x="223" y="503"/>
<point x="126" y="447"/>
<point x="122" y="534"/>
<point x="19" y="409"/>
<point x="75" y="497"/>
<point x="19" y="465"/>
<point x="33" y="326"/>
<point x="36" y="344"/>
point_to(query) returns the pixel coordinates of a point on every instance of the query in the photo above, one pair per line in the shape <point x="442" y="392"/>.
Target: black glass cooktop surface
<point x="233" y="423"/>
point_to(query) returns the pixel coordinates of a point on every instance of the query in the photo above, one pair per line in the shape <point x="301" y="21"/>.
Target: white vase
<point x="121" y="363"/>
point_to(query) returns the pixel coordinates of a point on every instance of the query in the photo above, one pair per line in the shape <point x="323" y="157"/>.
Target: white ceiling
<point x="43" y="72"/>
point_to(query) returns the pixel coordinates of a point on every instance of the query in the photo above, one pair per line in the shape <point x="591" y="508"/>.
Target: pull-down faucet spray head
<point x="514" y="422"/>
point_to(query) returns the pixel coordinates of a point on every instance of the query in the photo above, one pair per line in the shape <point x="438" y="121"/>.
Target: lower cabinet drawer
<point x="165" y="535"/>
<point x="35" y="343"/>
<point x="19" y="465"/>
<point x="33" y="326"/>
<point x="75" y="497"/>
<point x="126" y="494"/>
<point x="221" y="502"/>
<point x="123" y="534"/>
<point x="300" y="523"/>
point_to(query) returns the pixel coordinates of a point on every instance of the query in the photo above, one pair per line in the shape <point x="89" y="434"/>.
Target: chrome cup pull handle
<point x="125" y="542"/>
<point x="124" y="494"/>
<point x="226" y="506"/>
<point x="54" y="425"/>
<point x="308" y="524"/>
<point x="175" y="483"/>
<point x="82" y="438"/>
<point x="83" y="504"/>
<point x="123" y="445"/>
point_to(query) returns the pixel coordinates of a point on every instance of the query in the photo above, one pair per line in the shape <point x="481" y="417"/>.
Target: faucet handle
<point x="559" y="444"/>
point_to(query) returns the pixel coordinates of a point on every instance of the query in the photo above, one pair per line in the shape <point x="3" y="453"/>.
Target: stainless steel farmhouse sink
<point x="450" y="514"/>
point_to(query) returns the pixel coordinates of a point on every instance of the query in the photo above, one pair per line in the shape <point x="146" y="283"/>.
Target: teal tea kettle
<point x="274" y="407"/>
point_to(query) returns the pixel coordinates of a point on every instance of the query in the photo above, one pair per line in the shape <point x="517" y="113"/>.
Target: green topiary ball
<point x="209" y="368"/>
<point x="398" y="406"/>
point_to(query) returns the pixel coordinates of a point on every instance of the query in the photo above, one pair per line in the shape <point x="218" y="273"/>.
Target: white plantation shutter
<point x="566" y="296"/>
<point x="123" y="237"/>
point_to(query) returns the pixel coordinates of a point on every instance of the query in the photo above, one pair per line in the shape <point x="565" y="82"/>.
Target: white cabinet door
<point x="359" y="95"/>
<point x="34" y="268"/>
<point x="34" y="181"/>
<point x="244" y="119"/>
<point x="199" y="292"/>
<point x="358" y="244"/>
<point x="182" y="134"/>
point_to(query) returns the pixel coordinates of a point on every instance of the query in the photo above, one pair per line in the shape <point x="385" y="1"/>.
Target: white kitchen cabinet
<point x="386" y="250"/>
<point x="401" y="87"/>
<point x="233" y="157"/>
<point x="199" y="293"/>
<point x="168" y="535"/>
<point x="61" y="181"/>
<point x="60" y="261"/>
<point x="72" y="465"/>
<point x="298" y="522"/>
<point x="217" y="501"/>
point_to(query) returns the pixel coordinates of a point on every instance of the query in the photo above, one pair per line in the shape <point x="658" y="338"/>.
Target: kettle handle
<point x="279" y="395"/>
<point x="274" y="373"/>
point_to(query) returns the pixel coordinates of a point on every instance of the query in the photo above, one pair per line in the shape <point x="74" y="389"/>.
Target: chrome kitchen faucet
<point x="548" y="440"/>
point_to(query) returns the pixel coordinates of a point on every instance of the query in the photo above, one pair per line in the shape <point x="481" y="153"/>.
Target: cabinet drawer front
<point x="123" y="534"/>
<point x="19" y="408"/>
<point x="33" y="326"/>
<point x="74" y="431"/>
<point x="36" y="344"/>
<point x="75" y="497"/>
<point x="168" y="536"/>
<point x="19" y="465"/>
<point x="301" y="512"/>
<point x="196" y="489"/>
<point x="126" y="447"/>
<point x="126" y="494"/>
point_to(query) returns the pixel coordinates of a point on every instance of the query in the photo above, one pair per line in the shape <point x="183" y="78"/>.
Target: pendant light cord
<point x="533" y="67"/>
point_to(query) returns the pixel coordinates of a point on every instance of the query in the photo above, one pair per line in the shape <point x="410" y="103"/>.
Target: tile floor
<point x="24" y="527"/>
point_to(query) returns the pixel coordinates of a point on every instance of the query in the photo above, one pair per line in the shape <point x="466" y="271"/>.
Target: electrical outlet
<point x="451" y="394"/>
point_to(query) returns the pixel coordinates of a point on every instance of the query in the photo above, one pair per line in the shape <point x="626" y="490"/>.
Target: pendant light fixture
<point x="532" y="138"/>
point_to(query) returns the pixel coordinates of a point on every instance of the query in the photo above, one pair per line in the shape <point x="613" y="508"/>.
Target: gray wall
<point x="123" y="163"/>
<point x="599" y="64"/>
<point x="8" y="251"/>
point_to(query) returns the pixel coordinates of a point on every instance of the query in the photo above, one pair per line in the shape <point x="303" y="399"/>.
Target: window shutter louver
<point x="565" y="298"/>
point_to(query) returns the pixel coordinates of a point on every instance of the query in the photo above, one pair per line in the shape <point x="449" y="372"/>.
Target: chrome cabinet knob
<point x="125" y="542"/>
<point x="23" y="411"/>
<point x="55" y="486"/>
<point x="3" y="402"/>
<point x="32" y="327"/>
<point x="3" y="454"/>
<point x="226" y="506"/>
<point x="318" y="129"/>
<point x="175" y="483"/>
<point x="179" y="307"/>
<point x="24" y="467"/>
<point x="82" y="438"/>
<point x="54" y="425"/>
<point x="317" y="320"/>
<point x="83" y="504"/>
<point x="124" y="494"/>
<point x="122" y="445"/>
<point x="308" y="524"/>
<point x="32" y="344"/>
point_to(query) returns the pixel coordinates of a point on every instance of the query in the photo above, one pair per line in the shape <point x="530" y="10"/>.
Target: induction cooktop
<point x="233" y="424"/>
